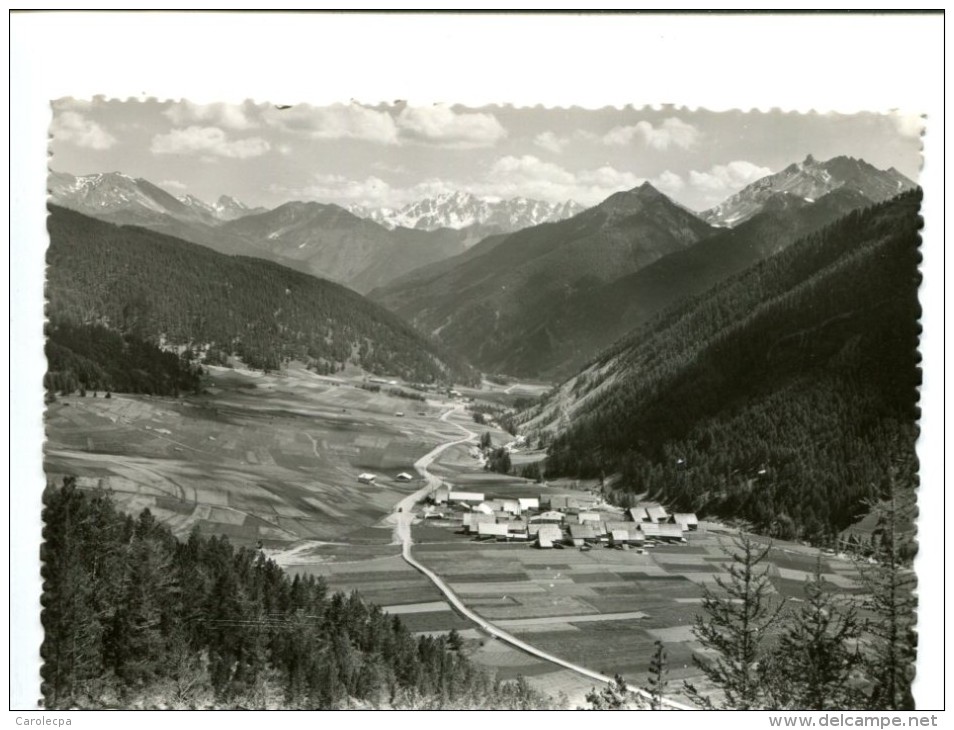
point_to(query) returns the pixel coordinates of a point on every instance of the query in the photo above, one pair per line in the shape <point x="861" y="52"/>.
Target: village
<point x="558" y="520"/>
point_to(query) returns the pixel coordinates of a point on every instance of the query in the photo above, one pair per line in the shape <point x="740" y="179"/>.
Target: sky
<point x="389" y="155"/>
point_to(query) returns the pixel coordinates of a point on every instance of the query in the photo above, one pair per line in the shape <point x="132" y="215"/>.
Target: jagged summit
<point x="122" y="198"/>
<point x="810" y="180"/>
<point x="461" y="209"/>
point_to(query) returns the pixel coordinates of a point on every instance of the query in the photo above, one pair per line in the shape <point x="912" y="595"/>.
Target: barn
<point x="548" y="535"/>
<point x="686" y="520"/>
<point x="493" y="529"/>
<point x="475" y="497"/>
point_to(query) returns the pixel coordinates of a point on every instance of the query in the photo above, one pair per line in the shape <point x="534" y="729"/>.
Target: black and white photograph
<point x="441" y="405"/>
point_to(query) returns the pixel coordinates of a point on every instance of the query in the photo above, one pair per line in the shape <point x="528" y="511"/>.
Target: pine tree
<point x="816" y="657"/>
<point x="890" y="583"/>
<point x="658" y="679"/>
<point x="734" y="626"/>
<point x="614" y="696"/>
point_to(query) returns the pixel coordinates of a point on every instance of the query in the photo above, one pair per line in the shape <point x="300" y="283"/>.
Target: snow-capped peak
<point x="460" y="209"/>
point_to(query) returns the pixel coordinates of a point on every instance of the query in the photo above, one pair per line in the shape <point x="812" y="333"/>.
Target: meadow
<point x="272" y="460"/>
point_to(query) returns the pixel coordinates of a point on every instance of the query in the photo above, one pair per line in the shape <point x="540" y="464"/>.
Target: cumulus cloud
<point x="442" y="126"/>
<point x="438" y="126"/>
<point x="341" y="121"/>
<point x="207" y="141"/>
<point x="671" y="132"/>
<point x="528" y="176"/>
<point x="668" y="182"/>
<point x="71" y="126"/>
<point x="551" y="142"/>
<point x="507" y="177"/>
<point x="727" y="179"/>
<point x="229" y="116"/>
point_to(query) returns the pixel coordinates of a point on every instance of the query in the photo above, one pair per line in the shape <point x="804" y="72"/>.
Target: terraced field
<point x="270" y="458"/>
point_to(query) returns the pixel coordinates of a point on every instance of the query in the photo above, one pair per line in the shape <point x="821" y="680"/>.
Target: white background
<point x="842" y="63"/>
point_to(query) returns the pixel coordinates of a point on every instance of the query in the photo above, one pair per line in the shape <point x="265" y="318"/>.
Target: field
<point x="273" y="460"/>
<point x="606" y="608"/>
<point x="270" y="458"/>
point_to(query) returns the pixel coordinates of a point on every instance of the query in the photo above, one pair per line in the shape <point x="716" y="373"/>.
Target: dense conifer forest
<point x="162" y="290"/>
<point x="135" y="618"/>
<point x="90" y="357"/>
<point x="782" y="396"/>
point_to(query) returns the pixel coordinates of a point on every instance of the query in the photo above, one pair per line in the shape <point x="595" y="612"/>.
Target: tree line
<point x="90" y="357"/>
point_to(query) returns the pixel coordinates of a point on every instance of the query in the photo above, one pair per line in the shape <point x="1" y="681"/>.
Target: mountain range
<point x="543" y="301"/>
<point x="462" y="210"/>
<point x="324" y="240"/>
<point x="481" y="306"/>
<point x="540" y="301"/>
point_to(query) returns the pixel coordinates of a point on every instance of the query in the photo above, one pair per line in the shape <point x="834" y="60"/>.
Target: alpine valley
<point x="478" y="452"/>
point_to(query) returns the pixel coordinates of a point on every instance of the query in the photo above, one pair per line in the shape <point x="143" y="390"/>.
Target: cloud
<point x="668" y="182"/>
<point x="727" y="179"/>
<point x="208" y="141"/>
<point x="507" y="177"/>
<point x="551" y="142"/>
<point x="371" y="192"/>
<point x="351" y="121"/>
<point x="442" y="126"/>
<point x="71" y="126"/>
<point x="438" y="126"/>
<point x="672" y="132"/>
<point x="173" y="185"/>
<point x="528" y="176"/>
<point x="230" y="116"/>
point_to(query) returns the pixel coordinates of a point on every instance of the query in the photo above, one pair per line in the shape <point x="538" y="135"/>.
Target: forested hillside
<point x="167" y="291"/>
<point x="495" y="303"/>
<point x="133" y="617"/>
<point x="557" y="340"/>
<point x="92" y="357"/>
<point x="781" y="396"/>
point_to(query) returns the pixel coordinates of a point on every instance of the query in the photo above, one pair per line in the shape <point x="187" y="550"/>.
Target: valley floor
<point x="274" y="459"/>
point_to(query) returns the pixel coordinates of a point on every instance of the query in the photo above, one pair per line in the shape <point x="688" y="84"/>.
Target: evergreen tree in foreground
<point x="814" y="664"/>
<point x="890" y="582"/>
<point x="734" y="626"/>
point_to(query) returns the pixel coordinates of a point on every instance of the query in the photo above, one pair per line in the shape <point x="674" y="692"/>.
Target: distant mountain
<point x="328" y="241"/>
<point x="485" y="303"/>
<point x="123" y="199"/>
<point x="161" y="289"/>
<point x="784" y="396"/>
<point x="462" y="210"/>
<point x="810" y="180"/>
<point x="226" y="208"/>
<point x="577" y="327"/>
<point x="322" y="240"/>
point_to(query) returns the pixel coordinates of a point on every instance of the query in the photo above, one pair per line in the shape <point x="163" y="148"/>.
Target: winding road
<point x="403" y="517"/>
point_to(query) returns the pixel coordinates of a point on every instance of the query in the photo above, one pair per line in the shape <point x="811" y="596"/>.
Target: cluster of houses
<point x="559" y="520"/>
